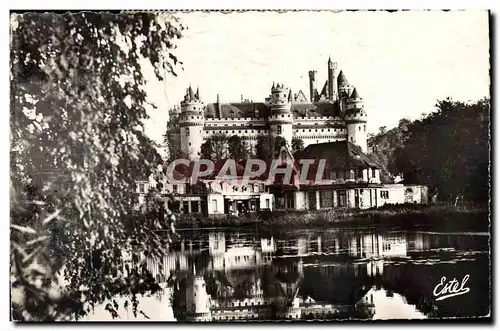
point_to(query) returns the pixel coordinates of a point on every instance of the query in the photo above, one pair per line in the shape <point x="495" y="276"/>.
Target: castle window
<point x="189" y="144"/>
<point x="384" y="194"/>
<point x="315" y="130"/>
<point x="364" y="127"/>
<point x="279" y="129"/>
<point x="174" y="189"/>
<point x="322" y="130"/>
<point x="359" y="128"/>
<point x="352" y="139"/>
<point x="303" y="130"/>
<point x="373" y="173"/>
<point x="232" y="131"/>
<point x="309" y="130"/>
<point x="187" y="131"/>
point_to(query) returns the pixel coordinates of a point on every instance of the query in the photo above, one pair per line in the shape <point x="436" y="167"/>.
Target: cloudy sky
<point x="400" y="63"/>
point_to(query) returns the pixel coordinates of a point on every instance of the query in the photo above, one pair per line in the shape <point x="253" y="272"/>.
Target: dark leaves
<point x="75" y="161"/>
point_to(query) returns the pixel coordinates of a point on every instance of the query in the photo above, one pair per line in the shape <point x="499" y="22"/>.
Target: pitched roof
<point x="249" y="109"/>
<point x="307" y="109"/>
<point x="238" y="110"/>
<point x="338" y="155"/>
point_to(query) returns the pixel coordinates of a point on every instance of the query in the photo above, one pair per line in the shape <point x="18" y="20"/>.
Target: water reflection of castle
<point x="232" y="277"/>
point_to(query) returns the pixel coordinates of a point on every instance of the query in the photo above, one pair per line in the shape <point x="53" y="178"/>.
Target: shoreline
<point x="402" y="217"/>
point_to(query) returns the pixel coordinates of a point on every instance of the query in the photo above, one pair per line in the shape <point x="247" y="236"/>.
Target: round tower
<point x="356" y="119"/>
<point x="281" y="118"/>
<point x="191" y="122"/>
<point x="198" y="301"/>
<point x="173" y="131"/>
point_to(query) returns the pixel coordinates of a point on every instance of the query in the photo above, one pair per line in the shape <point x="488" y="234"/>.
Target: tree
<point x="297" y="144"/>
<point x="263" y="149"/>
<point x="237" y="148"/>
<point x="215" y="148"/>
<point x="449" y="150"/>
<point x="279" y="142"/>
<point x="77" y="146"/>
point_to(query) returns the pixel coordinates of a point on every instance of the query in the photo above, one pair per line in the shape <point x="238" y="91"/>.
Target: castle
<point x="335" y="114"/>
<point x="332" y="127"/>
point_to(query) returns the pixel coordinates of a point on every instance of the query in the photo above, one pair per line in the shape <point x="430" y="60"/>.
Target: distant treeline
<point x="447" y="150"/>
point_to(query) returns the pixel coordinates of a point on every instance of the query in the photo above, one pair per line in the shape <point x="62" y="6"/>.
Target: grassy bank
<point x="435" y="217"/>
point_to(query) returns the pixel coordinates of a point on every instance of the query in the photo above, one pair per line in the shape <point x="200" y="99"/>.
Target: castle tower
<point x="332" y="83"/>
<point x="191" y="122"/>
<point x="197" y="300"/>
<point x="312" y="85"/>
<point x="173" y="131"/>
<point x="281" y="119"/>
<point x="343" y="91"/>
<point x="356" y="118"/>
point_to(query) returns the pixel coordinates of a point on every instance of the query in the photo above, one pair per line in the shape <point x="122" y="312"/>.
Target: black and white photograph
<point x="210" y="166"/>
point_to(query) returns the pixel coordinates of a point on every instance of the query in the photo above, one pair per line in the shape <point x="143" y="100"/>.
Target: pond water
<point x="323" y="274"/>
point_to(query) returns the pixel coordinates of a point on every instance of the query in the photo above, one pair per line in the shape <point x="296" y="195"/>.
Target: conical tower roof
<point x="341" y="79"/>
<point x="323" y="91"/>
<point x="290" y="96"/>
<point x="191" y="94"/>
<point x="355" y="94"/>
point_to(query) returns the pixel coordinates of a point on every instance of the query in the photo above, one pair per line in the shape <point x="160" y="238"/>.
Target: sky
<point x="401" y="63"/>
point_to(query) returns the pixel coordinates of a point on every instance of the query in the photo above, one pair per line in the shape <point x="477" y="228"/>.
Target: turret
<point x="197" y="299"/>
<point x="332" y="83"/>
<point x="343" y="85"/>
<point x="356" y="119"/>
<point x="281" y="119"/>
<point x="191" y="121"/>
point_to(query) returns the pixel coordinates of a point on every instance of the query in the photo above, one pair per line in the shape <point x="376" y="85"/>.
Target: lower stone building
<point x="323" y="176"/>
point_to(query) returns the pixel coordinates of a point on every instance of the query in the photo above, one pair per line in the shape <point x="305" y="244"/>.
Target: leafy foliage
<point x="78" y="145"/>
<point x="237" y="148"/>
<point x="267" y="147"/>
<point x="297" y="144"/>
<point x="447" y="149"/>
<point x="215" y="148"/>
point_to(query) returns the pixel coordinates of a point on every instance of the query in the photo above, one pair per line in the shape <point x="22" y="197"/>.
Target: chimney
<point x="312" y="85"/>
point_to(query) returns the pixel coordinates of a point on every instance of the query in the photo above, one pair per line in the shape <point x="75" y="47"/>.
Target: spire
<point x="341" y="80"/>
<point x="323" y="91"/>
<point x="274" y="86"/>
<point x="198" y="93"/>
<point x="290" y="96"/>
<point x="191" y="94"/>
<point x="329" y="59"/>
<point x="355" y="94"/>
